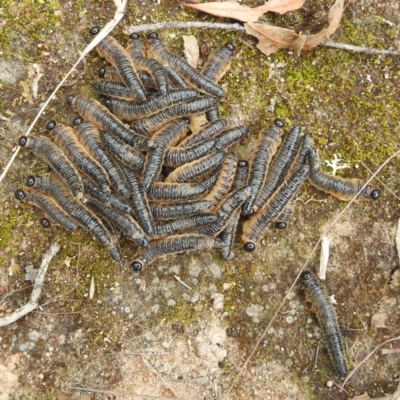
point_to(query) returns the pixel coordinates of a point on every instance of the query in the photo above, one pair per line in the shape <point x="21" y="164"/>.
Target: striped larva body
<point x="175" y="78"/>
<point x="175" y="226"/>
<point x="55" y="157"/>
<point x="176" y="210"/>
<point x="189" y="74"/>
<point x="130" y="111"/>
<point x="265" y="150"/>
<point x="213" y="114"/>
<point x="123" y="222"/>
<point x="327" y="319"/>
<point x="230" y="136"/>
<point x="256" y="224"/>
<point x="149" y="125"/>
<point x="125" y="153"/>
<point x="218" y="62"/>
<point x="208" y="132"/>
<point x="111" y="74"/>
<point x="283" y="217"/>
<point x="195" y="169"/>
<point x="167" y="136"/>
<point x="65" y="138"/>
<point x="171" y="245"/>
<point x="137" y="52"/>
<point x="77" y="210"/>
<point x="109" y="199"/>
<point x="89" y="136"/>
<point x="115" y="89"/>
<point x="91" y="110"/>
<point x="343" y="189"/>
<point x="49" y="206"/>
<point x="139" y="202"/>
<point x="226" y="210"/>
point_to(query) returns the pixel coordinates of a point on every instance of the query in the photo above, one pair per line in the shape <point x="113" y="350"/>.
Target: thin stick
<point x="298" y="276"/>
<point x="360" y="49"/>
<point x="37" y="289"/>
<point x="144" y="396"/>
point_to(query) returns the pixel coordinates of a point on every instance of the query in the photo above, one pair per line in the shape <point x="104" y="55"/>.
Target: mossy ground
<point x="348" y="101"/>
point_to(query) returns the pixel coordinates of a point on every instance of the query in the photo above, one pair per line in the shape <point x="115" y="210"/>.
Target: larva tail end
<point x="51" y="125"/>
<point x="375" y="194"/>
<point x="249" y="247"/>
<point x="45" y="223"/>
<point x="30" y="181"/>
<point x="279" y="123"/>
<point x="280" y="225"/>
<point x="136" y="266"/>
<point x="94" y="31"/>
<point x="19" y="194"/>
<point x="22" y="141"/>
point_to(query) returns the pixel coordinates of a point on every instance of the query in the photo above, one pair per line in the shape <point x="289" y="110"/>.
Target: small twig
<point x="181" y="282"/>
<point x="390" y="351"/>
<point x="316" y="358"/>
<point x="324" y="258"/>
<point x="144" y="396"/>
<point x="83" y="72"/>
<point x="37" y="289"/>
<point x="360" y="49"/>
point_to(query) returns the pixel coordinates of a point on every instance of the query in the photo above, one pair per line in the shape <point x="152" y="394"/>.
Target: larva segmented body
<point x="55" y="157"/>
<point x="114" y="89"/>
<point x="174" y="244"/>
<point x="49" y="206"/>
<point x="189" y="74"/>
<point x="175" y="78"/>
<point x="207" y="133"/>
<point x="167" y="136"/>
<point x="230" y="136"/>
<point x="66" y="139"/>
<point x="124" y="223"/>
<point x="77" y="210"/>
<point x="327" y="319"/>
<point x="218" y="62"/>
<point x="125" y="153"/>
<point x="129" y="111"/>
<point x="183" y="224"/>
<point x="266" y="148"/>
<point x="89" y="136"/>
<point x="149" y="125"/>
<point x="343" y="189"/>
<point x="195" y="169"/>
<point x="177" y="210"/>
<point x="111" y="74"/>
<point x="91" y="110"/>
<point x="213" y="114"/>
<point x="256" y="224"/>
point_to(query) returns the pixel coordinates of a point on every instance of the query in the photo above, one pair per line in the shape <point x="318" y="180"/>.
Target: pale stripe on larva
<point x="166" y="211"/>
<point x="212" y="129"/>
<point x="218" y="62"/>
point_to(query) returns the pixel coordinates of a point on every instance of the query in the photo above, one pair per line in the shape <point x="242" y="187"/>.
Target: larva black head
<point x="77" y="121"/>
<point x="70" y="99"/>
<point x="249" y="247"/>
<point x="242" y="164"/>
<point x="136" y="266"/>
<point x="375" y="194"/>
<point x="134" y="36"/>
<point x="108" y="103"/>
<point x="51" y="125"/>
<point x="230" y="46"/>
<point x="280" y="225"/>
<point x="186" y="119"/>
<point x="19" y="194"/>
<point x="305" y="275"/>
<point x="30" y="181"/>
<point x="152" y="35"/>
<point x="94" y="31"/>
<point x="279" y="123"/>
<point x="102" y="72"/>
<point x="22" y="141"/>
<point x="307" y="279"/>
<point x="45" y="223"/>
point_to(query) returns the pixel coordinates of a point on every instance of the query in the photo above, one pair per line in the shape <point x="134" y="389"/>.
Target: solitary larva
<point x="55" y="157"/>
<point x="55" y="188"/>
<point x="174" y="244"/>
<point x="256" y="224"/>
<point x="327" y="319"/>
<point x="48" y="205"/>
<point x="65" y="137"/>
<point x="189" y="74"/>
<point x="114" y="89"/>
<point x="266" y="148"/>
<point x="176" y="210"/>
<point x="343" y="189"/>
<point x="208" y="132"/>
<point x="91" y="110"/>
<point x="116" y="55"/>
<point x="218" y="62"/>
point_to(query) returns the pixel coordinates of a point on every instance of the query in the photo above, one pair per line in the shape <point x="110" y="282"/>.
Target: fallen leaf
<point x="191" y="50"/>
<point x="234" y="10"/>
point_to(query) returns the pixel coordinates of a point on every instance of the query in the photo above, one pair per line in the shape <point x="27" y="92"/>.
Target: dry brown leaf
<point x="272" y="38"/>
<point x="234" y="10"/>
<point x="191" y="50"/>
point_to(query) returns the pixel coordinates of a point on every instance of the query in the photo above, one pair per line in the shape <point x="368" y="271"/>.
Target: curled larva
<point x="343" y="189"/>
<point x="48" y="205"/>
<point x="212" y="129"/>
<point x="189" y="74"/>
<point x="326" y="315"/>
<point x="91" y="110"/>
<point x="218" y="62"/>
<point x="166" y="211"/>
<point x="56" y="189"/>
<point x="55" y="157"/>
<point x="174" y="244"/>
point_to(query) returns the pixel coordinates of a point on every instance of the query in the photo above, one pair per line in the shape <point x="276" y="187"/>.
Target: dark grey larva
<point x="166" y="211"/>
<point x="114" y="89"/>
<point x="208" y="132"/>
<point x="218" y="62"/>
<point x="230" y="136"/>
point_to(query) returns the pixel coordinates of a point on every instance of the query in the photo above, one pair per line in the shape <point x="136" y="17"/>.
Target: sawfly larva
<point x="175" y="78"/>
<point x="91" y="110"/>
<point x="111" y="74"/>
<point x="173" y="244"/>
<point x="176" y="210"/>
<point x="114" y="89"/>
<point x="218" y="62"/>
<point x="327" y="319"/>
<point x="283" y="217"/>
<point x="65" y="138"/>
<point x="213" y="114"/>
<point x="48" y="205"/>
<point x="208" y="132"/>
<point x="129" y="110"/>
<point x="230" y="136"/>
<point x="256" y="224"/>
<point x="89" y="136"/>
<point x="55" y="157"/>
<point x="264" y="151"/>
<point x="188" y="73"/>
<point x="343" y="189"/>
<point x="116" y="55"/>
<point x="56" y="189"/>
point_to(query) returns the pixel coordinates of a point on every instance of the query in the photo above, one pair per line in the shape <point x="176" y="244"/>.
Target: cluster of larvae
<point x="152" y="161"/>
